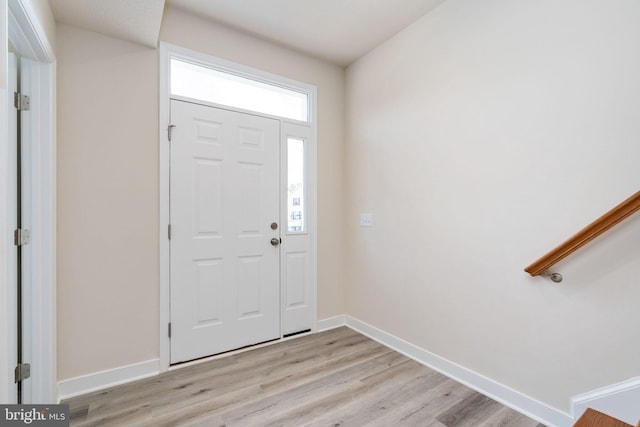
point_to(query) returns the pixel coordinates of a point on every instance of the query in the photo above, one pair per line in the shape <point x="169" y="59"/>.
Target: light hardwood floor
<point x="334" y="378"/>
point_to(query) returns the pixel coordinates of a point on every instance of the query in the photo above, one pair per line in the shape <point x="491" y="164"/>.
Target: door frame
<point x="20" y="24"/>
<point x="168" y="51"/>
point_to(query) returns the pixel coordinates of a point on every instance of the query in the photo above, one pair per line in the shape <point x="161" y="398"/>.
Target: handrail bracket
<point x="555" y="277"/>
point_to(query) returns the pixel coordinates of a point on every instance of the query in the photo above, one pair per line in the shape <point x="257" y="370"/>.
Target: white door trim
<point x="6" y="388"/>
<point x="167" y="51"/>
<point x="38" y="79"/>
<point x="8" y="173"/>
<point x="27" y="33"/>
<point x="20" y="22"/>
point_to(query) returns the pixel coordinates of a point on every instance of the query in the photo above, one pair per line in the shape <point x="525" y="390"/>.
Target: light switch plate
<point x="366" y="220"/>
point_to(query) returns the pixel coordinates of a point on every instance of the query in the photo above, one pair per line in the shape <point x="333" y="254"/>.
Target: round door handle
<point x="275" y="241"/>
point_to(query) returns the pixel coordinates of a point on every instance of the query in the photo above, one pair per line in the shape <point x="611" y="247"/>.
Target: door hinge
<point x="22" y="372"/>
<point x="21" y="102"/>
<point x="169" y="329"/>
<point x="169" y="231"/>
<point x="169" y="128"/>
<point x="21" y="237"/>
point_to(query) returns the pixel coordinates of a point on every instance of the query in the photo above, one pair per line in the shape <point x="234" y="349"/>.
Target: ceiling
<point x="133" y="20"/>
<point x="339" y="31"/>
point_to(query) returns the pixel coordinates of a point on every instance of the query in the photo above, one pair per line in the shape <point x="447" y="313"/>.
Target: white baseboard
<point x="621" y="400"/>
<point x="100" y="380"/>
<point x="496" y="391"/>
<point x="331" y="323"/>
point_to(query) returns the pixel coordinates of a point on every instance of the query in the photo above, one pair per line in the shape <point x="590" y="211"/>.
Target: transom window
<point x="199" y="82"/>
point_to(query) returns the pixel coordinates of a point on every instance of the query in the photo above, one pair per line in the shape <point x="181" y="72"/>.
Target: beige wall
<point x="108" y="185"/>
<point x="107" y="203"/>
<point x="481" y="137"/>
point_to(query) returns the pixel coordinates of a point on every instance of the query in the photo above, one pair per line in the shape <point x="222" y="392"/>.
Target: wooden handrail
<point x="587" y="234"/>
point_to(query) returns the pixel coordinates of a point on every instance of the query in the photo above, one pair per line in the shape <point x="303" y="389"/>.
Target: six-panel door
<point x="224" y="199"/>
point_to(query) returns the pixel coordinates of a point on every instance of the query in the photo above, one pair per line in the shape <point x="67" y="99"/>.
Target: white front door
<point x="225" y="231"/>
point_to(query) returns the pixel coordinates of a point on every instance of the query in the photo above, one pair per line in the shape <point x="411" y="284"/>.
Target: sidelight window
<point x="296" y="184"/>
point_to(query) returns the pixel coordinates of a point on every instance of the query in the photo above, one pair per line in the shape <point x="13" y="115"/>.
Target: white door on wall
<point x="225" y="231"/>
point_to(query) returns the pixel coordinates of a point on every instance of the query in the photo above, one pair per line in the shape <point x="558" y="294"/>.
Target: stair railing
<point x="584" y="236"/>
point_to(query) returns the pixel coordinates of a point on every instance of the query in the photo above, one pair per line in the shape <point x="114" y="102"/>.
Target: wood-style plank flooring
<point x="335" y="378"/>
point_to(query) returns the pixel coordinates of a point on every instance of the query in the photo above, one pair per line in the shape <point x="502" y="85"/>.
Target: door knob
<point x="275" y="241"/>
